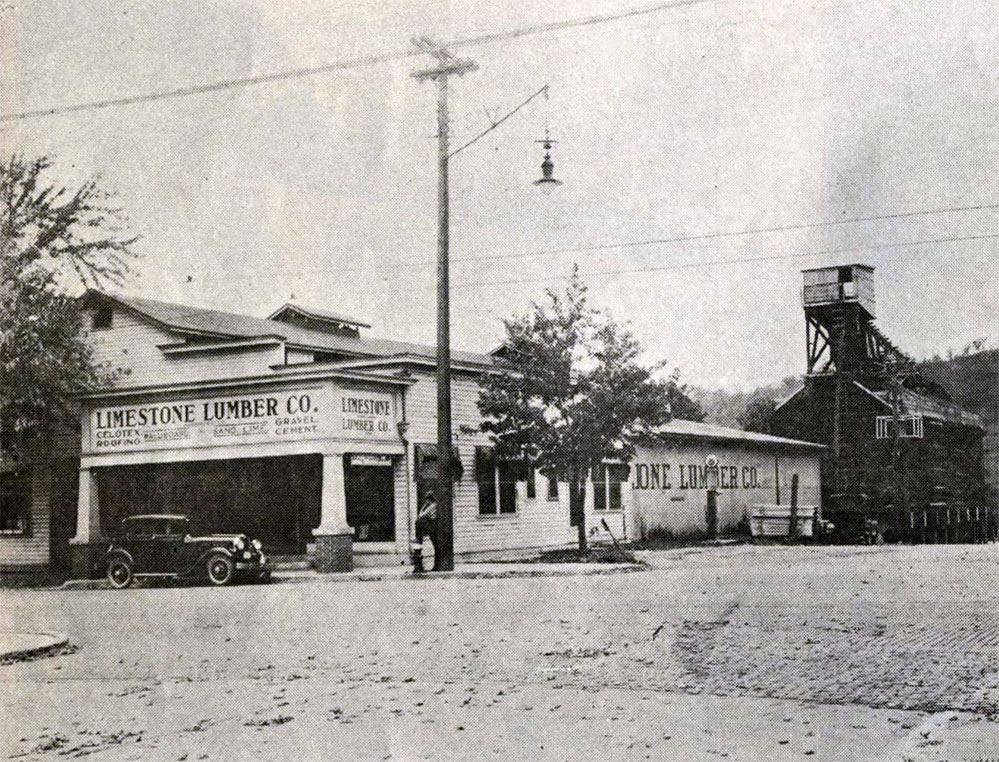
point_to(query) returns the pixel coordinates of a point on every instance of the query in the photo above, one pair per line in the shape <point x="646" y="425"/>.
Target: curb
<point x="53" y="642"/>
<point x="408" y="575"/>
<point x="585" y="570"/>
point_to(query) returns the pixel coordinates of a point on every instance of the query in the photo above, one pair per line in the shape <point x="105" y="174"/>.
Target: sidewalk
<point x="23" y="645"/>
<point x="461" y="571"/>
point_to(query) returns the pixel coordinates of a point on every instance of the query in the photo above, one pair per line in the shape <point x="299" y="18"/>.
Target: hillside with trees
<point x="747" y="410"/>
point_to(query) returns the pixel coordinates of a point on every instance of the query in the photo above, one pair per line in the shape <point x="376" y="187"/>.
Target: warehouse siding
<point x="538" y="522"/>
<point x="668" y="503"/>
<point x="130" y="350"/>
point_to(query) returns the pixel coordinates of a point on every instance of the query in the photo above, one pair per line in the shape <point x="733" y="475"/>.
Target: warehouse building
<point x="303" y="431"/>
<point x="299" y="429"/>
<point x="670" y="479"/>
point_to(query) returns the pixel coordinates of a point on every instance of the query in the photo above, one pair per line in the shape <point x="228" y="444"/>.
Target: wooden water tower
<point x="902" y="455"/>
<point x="844" y="346"/>
<point x="839" y="315"/>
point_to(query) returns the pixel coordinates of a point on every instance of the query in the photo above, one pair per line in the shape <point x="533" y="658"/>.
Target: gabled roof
<point x="681" y="429"/>
<point x="912" y="402"/>
<point x="196" y="321"/>
<point x="934" y="407"/>
<point x="314" y="314"/>
<point x="837" y="267"/>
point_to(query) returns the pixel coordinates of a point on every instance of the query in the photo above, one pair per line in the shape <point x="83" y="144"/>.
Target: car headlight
<point x="238" y="543"/>
<point x="257" y="544"/>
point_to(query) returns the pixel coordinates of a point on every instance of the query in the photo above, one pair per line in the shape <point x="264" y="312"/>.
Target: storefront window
<point x="607" y="486"/>
<point x="509" y="472"/>
<point x="485" y="476"/>
<point x="497" y="482"/>
<point x="15" y="502"/>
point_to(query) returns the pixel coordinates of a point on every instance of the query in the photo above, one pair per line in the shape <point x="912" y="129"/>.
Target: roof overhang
<point x="411" y="360"/>
<point x="253" y="382"/>
<point x="232" y="345"/>
<point x="735" y="439"/>
<point x="93" y="293"/>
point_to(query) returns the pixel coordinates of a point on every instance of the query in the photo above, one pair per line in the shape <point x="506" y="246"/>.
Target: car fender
<point x="114" y="552"/>
<point x="200" y="562"/>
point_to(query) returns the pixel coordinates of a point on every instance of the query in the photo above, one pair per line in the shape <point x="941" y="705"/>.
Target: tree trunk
<point x="577" y="504"/>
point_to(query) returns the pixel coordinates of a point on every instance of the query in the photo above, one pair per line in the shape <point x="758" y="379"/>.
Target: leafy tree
<point x="725" y="408"/>
<point x="758" y="415"/>
<point x="50" y="239"/>
<point x="683" y="406"/>
<point x="573" y="393"/>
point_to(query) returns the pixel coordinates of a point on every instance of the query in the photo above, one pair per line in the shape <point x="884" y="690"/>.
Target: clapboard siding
<point x="32" y="550"/>
<point x="537" y="523"/>
<point x="680" y="509"/>
<point x="130" y="350"/>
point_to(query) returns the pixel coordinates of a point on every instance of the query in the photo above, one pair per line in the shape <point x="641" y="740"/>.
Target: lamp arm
<point x="497" y="123"/>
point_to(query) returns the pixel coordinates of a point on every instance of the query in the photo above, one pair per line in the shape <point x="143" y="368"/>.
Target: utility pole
<point x="444" y="493"/>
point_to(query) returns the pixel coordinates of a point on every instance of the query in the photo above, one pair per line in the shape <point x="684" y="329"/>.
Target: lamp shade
<point x="547" y="182"/>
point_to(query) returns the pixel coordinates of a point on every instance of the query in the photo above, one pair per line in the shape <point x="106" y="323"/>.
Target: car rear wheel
<point x="220" y="569"/>
<point x="120" y="573"/>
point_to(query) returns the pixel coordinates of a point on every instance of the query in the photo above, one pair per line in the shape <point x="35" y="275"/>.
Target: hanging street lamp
<point x="547" y="183"/>
<point x="447" y="65"/>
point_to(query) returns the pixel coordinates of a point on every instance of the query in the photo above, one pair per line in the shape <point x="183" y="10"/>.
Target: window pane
<point x="487" y="497"/>
<point x="600" y="489"/>
<point x="508" y="497"/>
<point x="485" y="475"/>
<point x="619" y="472"/>
<point x="614" y="488"/>
<point x="15" y="498"/>
<point x="102" y="317"/>
<point x="616" y="475"/>
<point x="510" y="472"/>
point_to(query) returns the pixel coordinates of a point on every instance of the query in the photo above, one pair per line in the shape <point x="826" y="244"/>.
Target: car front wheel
<point x="220" y="569"/>
<point x="120" y="573"/>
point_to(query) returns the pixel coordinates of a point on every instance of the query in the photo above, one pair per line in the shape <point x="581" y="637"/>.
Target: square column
<point x="88" y="546"/>
<point x="334" y="538"/>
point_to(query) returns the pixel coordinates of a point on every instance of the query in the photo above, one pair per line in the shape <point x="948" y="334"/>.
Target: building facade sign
<point x="667" y="476"/>
<point x="274" y="416"/>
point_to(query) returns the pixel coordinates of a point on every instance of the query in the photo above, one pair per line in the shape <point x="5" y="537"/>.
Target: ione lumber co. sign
<point x="302" y="414"/>
<point x="669" y="476"/>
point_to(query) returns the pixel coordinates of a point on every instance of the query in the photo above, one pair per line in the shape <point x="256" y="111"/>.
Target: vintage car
<point x="161" y="545"/>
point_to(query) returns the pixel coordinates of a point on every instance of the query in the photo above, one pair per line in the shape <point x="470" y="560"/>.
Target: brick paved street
<point x="738" y="653"/>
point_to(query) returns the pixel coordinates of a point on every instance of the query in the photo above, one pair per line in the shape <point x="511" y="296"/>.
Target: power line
<point x="351" y="63"/>
<point x="734" y="233"/>
<point x="680" y="239"/>
<point x="741" y="260"/>
<point x="685" y="265"/>
<point x="213" y="87"/>
<point x="720" y="262"/>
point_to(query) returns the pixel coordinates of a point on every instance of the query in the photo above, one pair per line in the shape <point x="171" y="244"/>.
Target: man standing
<point x="426" y="522"/>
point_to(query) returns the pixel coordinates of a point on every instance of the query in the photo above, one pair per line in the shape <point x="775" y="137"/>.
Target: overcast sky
<point x="720" y="116"/>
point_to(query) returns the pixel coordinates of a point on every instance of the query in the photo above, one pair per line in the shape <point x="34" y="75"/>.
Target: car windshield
<point x="179" y="526"/>
<point x="135" y="527"/>
<point x="155" y="525"/>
